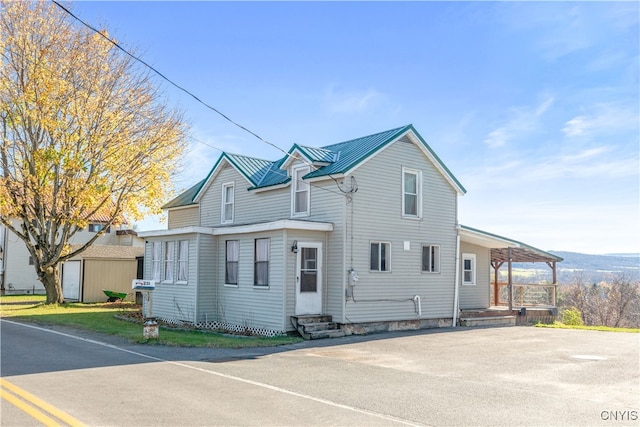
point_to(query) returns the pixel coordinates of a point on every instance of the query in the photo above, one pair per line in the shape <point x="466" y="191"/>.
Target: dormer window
<point x="300" y="196"/>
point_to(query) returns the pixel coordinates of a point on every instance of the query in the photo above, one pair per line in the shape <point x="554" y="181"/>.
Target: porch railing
<point x="527" y="295"/>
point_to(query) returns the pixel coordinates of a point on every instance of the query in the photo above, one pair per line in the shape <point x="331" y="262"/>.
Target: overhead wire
<point x="210" y="107"/>
<point x="134" y="57"/>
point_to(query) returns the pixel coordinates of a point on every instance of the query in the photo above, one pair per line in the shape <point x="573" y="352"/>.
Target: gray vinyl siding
<point x="174" y="300"/>
<point x="246" y="304"/>
<point x="377" y="216"/>
<point x="183" y="217"/>
<point x="249" y="206"/>
<point x="206" y="279"/>
<point x="328" y="205"/>
<point x="478" y="295"/>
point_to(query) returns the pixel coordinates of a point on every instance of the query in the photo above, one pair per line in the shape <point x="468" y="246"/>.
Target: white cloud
<point x="602" y="118"/>
<point x="351" y="101"/>
<point x="523" y="120"/>
<point x="498" y="137"/>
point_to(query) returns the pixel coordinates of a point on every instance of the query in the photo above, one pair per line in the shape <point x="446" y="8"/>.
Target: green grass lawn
<point x="558" y="325"/>
<point x="101" y="317"/>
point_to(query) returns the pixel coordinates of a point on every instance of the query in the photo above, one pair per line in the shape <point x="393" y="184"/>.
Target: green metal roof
<point x="315" y="154"/>
<point x="335" y="159"/>
<point x="186" y="197"/>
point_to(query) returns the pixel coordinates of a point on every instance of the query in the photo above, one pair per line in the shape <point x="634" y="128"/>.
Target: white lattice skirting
<point x="228" y="327"/>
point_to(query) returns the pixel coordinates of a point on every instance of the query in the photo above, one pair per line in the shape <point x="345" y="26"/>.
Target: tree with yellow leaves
<point x="83" y="132"/>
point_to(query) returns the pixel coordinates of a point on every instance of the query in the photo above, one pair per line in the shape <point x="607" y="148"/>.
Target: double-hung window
<point x="169" y="257"/>
<point x="231" y="262"/>
<point x="228" y="198"/>
<point x="261" y="263"/>
<point x="431" y="258"/>
<point x="300" y="192"/>
<point x="183" y="261"/>
<point x="468" y="269"/>
<point x="411" y="193"/>
<point x="380" y="259"/>
<point x="156" y="261"/>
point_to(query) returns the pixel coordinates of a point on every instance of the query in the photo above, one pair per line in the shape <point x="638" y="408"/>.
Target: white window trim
<point x="255" y="262"/>
<point x="379" y="242"/>
<point x="156" y="261"/>
<point x="178" y="261"/>
<point x="294" y="189"/>
<point x="225" y="202"/>
<point x="226" y="263"/>
<point x="418" y="174"/>
<point x="437" y="261"/>
<point x="471" y="257"/>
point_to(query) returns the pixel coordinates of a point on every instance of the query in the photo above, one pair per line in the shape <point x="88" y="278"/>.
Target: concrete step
<point x="316" y="327"/>
<point x="321" y="326"/>
<point x="335" y="333"/>
<point x="488" y="321"/>
<point x="316" y="318"/>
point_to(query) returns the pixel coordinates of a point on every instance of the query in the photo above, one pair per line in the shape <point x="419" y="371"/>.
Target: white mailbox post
<point x="146" y="287"/>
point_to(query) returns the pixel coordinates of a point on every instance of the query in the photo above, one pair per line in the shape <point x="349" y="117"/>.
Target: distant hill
<point x="593" y="268"/>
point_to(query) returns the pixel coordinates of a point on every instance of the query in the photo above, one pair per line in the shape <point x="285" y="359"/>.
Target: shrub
<point x="571" y="316"/>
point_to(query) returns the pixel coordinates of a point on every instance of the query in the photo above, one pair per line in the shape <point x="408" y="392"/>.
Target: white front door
<point x="309" y="278"/>
<point x="71" y="280"/>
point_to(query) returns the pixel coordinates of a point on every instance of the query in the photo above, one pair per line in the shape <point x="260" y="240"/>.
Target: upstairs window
<point x="431" y="259"/>
<point x="228" y="198"/>
<point x="94" y="228"/>
<point x="300" y="192"/>
<point x="411" y="193"/>
<point x="468" y="269"/>
<point x="380" y="259"/>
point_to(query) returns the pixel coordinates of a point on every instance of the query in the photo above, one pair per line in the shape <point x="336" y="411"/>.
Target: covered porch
<point x="525" y="303"/>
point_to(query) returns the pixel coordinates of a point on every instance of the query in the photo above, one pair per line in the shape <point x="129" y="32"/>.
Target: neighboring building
<point x="99" y="268"/>
<point x="365" y="231"/>
<point x="17" y="274"/>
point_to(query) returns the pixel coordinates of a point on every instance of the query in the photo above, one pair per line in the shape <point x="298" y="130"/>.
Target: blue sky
<point x="533" y="106"/>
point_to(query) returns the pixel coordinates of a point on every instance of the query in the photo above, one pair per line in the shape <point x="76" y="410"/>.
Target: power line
<point x="114" y="43"/>
<point x="168" y="79"/>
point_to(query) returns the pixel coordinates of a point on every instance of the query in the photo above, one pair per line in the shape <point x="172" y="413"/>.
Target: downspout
<point x="454" y="320"/>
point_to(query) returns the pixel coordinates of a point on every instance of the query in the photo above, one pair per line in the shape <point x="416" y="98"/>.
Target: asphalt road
<point x="463" y="376"/>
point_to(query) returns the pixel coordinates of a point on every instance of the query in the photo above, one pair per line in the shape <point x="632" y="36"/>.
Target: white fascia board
<point x="484" y="240"/>
<point x="291" y="158"/>
<point x="271" y="187"/>
<point x="433" y="160"/>
<point x="285" y="224"/>
<point x="176" y="231"/>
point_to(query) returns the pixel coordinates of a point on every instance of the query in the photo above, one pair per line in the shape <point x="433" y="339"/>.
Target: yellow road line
<point x="63" y="416"/>
<point x="28" y="409"/>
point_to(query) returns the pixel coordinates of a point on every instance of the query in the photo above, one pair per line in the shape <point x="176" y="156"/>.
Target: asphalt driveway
<point x="463" y="376"/>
